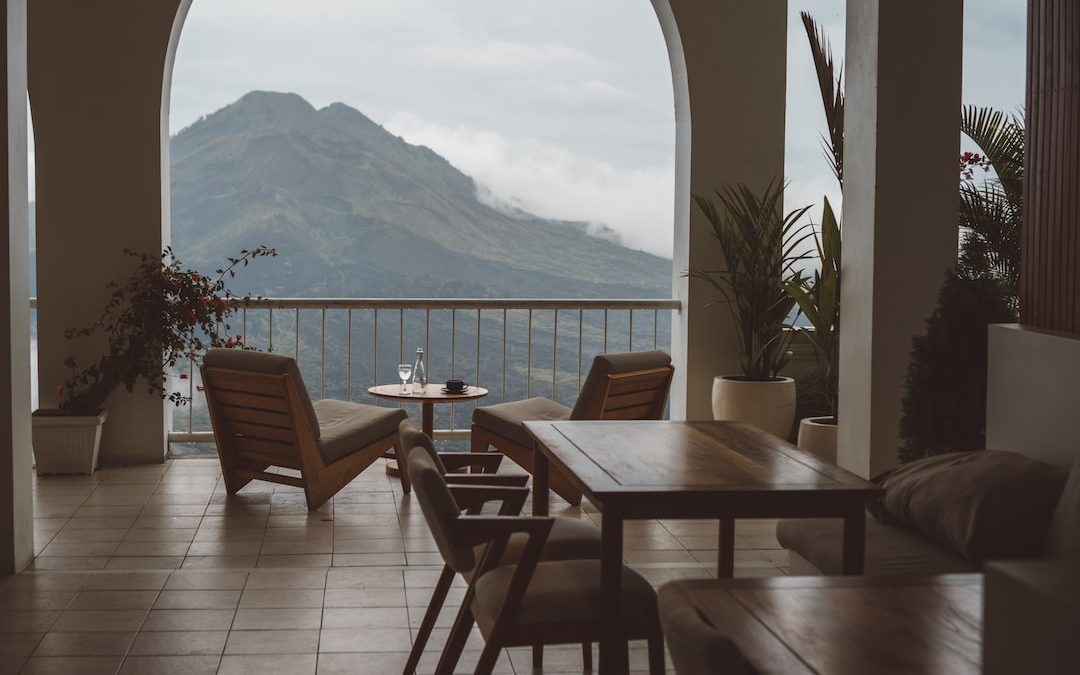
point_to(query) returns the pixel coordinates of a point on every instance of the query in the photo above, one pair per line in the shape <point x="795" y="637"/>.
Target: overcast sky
<point x="561" y="106"/>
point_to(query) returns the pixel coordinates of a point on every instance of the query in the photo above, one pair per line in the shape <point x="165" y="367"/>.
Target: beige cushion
<point x="889" y="549"/>
<point x="505" y="419"/>
<point x="986" y="504"/>
<point x="570" y="539"/>
<point x="611" y="364"/>
<point x="1063" y="540"/>
<point x="347" y="427"/>
<point x="561" y="592"/>
<point x="267" y="364"/>
<point x="696" y="647"/>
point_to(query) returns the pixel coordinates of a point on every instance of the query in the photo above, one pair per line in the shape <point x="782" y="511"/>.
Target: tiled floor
<point x="155" y="570"/>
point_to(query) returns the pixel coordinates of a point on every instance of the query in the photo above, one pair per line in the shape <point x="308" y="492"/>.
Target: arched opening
<point x="507" y="153"/>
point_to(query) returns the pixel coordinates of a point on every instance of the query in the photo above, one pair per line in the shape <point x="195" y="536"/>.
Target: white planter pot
<point x="66" y="443"/>
<point x="768" y="405"/>
<point x="817" y="435"/>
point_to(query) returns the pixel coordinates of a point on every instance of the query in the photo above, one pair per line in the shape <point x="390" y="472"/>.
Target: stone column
<point x="98" y="76"/>
<point x="16" y="503"/>
<point x="729" y="63"/>
<point x="900" y="206"/>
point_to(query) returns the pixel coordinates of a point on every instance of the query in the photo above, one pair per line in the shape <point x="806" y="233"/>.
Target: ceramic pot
<point x="66" y="443"/>
<point x="769" y="405"/>
<point x="817" y="435"/>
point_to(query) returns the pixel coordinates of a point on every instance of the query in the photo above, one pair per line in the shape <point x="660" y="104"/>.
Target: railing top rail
<point x="459" y="303"/>
<point x="452" y="303"/>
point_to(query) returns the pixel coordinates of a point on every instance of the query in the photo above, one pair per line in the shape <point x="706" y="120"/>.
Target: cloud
<point x="504" y="57"/>
<point x="555" y="182"/>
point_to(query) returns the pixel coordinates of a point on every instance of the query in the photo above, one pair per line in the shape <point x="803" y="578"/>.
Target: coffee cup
<point x="455" y="386"/>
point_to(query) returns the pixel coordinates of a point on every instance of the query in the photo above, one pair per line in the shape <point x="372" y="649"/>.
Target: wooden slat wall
<point x="1050" y="280"/>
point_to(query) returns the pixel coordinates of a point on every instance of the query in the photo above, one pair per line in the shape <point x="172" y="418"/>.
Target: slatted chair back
<point x="440" y="510"/>
<point x="626" y="386"/>
<point x="262" y="416"/>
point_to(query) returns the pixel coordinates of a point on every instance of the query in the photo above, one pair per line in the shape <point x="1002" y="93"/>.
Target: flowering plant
<point x="162" y="313"/>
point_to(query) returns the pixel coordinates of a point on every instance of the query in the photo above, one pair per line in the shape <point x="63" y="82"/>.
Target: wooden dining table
<point x="887" y="625"/>
<point x="682" y="470"/>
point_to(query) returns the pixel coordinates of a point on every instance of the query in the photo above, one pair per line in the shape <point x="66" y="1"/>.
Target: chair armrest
<point x="496" y="531"/>
<point x="516" y="480"/>
<point x="488" y="462"/>
<point x="471" y="498"/>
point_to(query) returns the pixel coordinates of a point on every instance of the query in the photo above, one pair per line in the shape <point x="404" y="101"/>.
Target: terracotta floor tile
<point x="205" y="599"/>
<point x="282" y="664"/>
<point x="84" y="644"/>
<point x="272" y="642"/>
<point x="255" y="598"/>
<point x="169" y="665"/>
<point x="368" y="640"/>
<point x="277" y="619"/>
<point x="113" y="600"/>
<point x="179" y="643"/>
<point x="71" y="665"/>
<point x="197" y="580"/>
<point x="188" y="619"/>
<point x="99" y="620"/>
<point x="126" y="581"/>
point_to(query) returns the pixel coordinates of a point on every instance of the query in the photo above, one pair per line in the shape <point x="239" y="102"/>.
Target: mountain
<point x="356" y="211"/>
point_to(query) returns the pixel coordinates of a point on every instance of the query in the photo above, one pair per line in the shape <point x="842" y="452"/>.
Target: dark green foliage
<point x="944" y="407"/>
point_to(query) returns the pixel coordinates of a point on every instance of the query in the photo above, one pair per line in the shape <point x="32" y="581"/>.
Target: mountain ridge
<point x="357" y="211"/>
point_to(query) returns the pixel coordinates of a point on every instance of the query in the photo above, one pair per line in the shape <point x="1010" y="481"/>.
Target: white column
<point x="900" y="206"/>
<point x="98" y="72"/>
<point x="16" y="504"/>
<point x="729" y="63"/>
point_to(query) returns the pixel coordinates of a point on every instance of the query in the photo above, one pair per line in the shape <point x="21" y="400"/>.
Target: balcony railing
<point x="516" y="348"/>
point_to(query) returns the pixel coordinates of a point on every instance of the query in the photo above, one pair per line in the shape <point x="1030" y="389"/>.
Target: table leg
<point x="427" y="419"/>
<point x="854" y="542"/>
<point x="725" y="557"/>
<point x="541" y="497"/>
<point x="612" y="650"/>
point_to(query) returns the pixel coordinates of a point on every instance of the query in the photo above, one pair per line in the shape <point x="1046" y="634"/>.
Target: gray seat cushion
<point x="505" y="419"/>
<point x="889" y="549"/>
<point x="696" y="647"/>
<point x="266" y="364"/>
<point x="346" y="427"/>
<point x="564" y="591"/>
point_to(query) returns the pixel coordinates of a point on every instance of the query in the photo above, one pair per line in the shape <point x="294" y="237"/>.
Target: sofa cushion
<point x="505" y="419"/>
<point x="889" y="549"/>
<point x="1063" y="539"/>
<point x="982" y="505"/>
<point x="346" y="427"/>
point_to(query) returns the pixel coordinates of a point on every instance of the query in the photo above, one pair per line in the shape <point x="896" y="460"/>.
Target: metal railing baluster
<point x="348" y="356"/>
<point x="502" y="388"/>
<point x="605" y="330"/>
<point x="580" y="347"/>
<point x="528" y="368"/>
<point x="554" y="351"/>
<point x="271" y="336"/>
<point x="630" y="333"/>
<point x="375" y="351"/>
<point x="322" y="355"/>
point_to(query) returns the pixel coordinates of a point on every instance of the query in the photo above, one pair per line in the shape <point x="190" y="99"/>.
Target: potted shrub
<point x="819" y="301"/>
<point x="759" y="245"/>
<point x="162" y="313"/>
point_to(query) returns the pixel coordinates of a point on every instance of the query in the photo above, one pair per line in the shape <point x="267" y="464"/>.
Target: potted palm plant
<point x="161" y="314"/>
<point x="760" y="248"/>
<point x="819" y="301"/>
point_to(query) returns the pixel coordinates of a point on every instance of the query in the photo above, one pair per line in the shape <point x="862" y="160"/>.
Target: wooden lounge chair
<point x="263" y="418"/>
<point x="531" y="602"/>
<point x="570" y="538"/>
<point x="627" y="386"/>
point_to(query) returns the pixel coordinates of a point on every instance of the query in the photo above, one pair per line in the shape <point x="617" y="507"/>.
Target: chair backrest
<point x="439" y="508"/>
<point x="412" y="438"/>
<point x="626" y="386"/>
<point x="256" y="400"/>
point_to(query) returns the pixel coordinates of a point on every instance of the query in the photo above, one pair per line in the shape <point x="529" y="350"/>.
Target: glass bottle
<point x="419" y="374"/>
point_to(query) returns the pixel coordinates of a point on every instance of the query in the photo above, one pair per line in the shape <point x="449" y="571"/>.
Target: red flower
<point x="228" y="342"/>
<point x="183" y="376"/>
<point x="195" y="277"/>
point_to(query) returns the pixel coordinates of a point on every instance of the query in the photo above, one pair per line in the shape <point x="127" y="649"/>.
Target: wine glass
<point x="404" y="371"/>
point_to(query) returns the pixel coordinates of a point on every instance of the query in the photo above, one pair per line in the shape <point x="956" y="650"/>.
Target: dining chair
<point x="533" y="601"/>
<point x="624" y="386"/>
<point x="262" y="417"/>
<point x="570" y="538"/>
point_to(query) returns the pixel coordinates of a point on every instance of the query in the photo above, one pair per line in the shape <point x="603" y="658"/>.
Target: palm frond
<point x="831" y="85"/>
